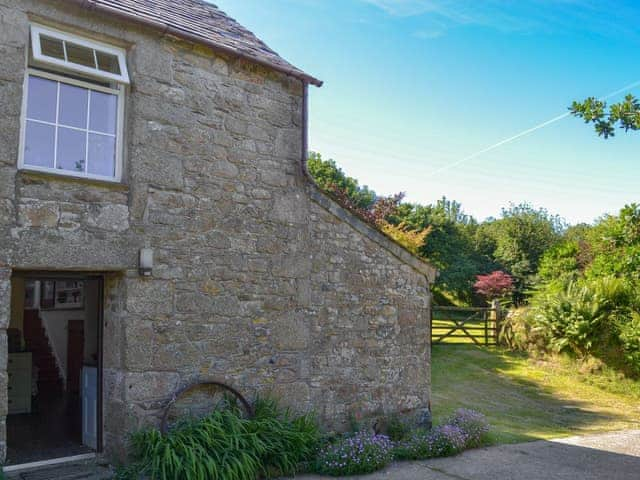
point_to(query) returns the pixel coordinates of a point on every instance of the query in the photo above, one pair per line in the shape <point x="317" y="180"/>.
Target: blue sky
<point x="412" y="87"/>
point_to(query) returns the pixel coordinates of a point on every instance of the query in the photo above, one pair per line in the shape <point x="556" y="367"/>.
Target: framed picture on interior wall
<point x="69" y="294"/>
<point x="47" y="294"/>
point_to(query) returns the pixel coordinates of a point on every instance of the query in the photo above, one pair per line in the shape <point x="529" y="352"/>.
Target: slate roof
<point x="203" y="22"/>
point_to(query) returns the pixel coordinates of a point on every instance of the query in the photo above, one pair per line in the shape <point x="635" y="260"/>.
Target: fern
<point x="582" y="316"/>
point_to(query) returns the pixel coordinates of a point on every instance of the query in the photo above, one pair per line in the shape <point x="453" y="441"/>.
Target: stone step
<point x="71" y="471"/>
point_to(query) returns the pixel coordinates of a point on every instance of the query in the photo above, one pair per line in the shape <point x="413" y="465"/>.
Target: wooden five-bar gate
<point x="470" y="325"/>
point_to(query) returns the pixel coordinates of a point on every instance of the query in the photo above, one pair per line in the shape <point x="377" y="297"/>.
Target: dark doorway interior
<point x="54" y="345"/>
<point x="75" y="355"/>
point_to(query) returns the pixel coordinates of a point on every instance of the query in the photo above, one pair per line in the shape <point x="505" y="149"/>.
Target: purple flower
<point x="360" y="453"/>
<point x="474" y="424"/>
<point x="464" y="429"/>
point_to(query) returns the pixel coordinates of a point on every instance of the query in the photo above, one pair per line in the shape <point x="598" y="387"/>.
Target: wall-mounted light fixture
<point x="145" y="266"/>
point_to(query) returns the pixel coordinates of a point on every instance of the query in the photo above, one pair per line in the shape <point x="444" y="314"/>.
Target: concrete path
<point x="610" y="456"/>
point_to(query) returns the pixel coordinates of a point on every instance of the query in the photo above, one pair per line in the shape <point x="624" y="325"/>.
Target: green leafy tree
<point x="560" y="263"/>
<point x="451" y="240"/>
<point x="517" y="241"/>
<point x="451" y="251"/>
<point x="577" y="233"/>
<point x="625" y="114"/>
<point x="449" y="246"/>
<point x="330" y="177"/>
<point x="615" y="242"/>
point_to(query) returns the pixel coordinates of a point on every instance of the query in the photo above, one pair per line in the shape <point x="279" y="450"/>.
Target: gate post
<point x="497" y="315"/>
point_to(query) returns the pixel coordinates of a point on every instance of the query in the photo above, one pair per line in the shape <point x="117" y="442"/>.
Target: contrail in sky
<point x="523" y="133"/>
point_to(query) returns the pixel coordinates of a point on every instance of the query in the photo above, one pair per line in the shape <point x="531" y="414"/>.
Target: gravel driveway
<point x="609" y="456"/>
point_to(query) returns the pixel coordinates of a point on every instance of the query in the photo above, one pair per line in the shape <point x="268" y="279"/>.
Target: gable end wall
<point x="254" y="282"/>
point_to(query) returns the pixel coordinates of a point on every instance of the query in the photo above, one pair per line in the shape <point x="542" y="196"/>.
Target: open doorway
<point x="54" y="367"/>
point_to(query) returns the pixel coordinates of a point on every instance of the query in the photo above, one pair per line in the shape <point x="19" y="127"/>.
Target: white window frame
<point x="37" y="30"/>
<point x="119" y="92"/>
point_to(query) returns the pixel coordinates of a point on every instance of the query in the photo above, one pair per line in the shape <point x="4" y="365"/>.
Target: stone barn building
<point x="158" y="227"/>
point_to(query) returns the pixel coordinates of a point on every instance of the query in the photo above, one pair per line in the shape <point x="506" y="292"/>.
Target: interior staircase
<point x="37" y="343"/>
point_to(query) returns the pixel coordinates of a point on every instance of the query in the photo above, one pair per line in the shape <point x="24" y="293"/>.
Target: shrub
<point x="375" y="214"/>
<point x="562" y="262"/>
<point x="581" y="317"/>
<point x="412" y="240"/>
<point x="357" y="454"/>
<point x="518" y="331"/>
<point x="224" y="445"/>
<point x="597" y="317"/>
<point x="629" y="337"/>
<point x="473" y="424"/>
<point x="328" y="176"/>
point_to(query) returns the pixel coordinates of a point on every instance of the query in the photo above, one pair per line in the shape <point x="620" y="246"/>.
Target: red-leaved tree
<point x="494" y="285"/>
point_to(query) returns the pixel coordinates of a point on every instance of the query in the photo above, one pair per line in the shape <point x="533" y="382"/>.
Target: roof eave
<point x="167" y="29"/>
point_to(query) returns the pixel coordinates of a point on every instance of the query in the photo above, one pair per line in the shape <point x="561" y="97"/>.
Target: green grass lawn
<point x="526" y="399"/>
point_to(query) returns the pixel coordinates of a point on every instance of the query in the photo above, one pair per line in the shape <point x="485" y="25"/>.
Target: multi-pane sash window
<point x="71" y="52"/>
<point x="72" y="119"/>
<point x="71" y="127"/>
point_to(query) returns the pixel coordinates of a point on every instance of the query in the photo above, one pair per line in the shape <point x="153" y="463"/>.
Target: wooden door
<point x="75" y="354"/>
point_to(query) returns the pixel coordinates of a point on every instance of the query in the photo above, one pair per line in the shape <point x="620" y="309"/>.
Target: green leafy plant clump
<point x="629" y="336"/>
<point x="397" y="428"/>
<point x="518" y="331"/>
<point x="226" y="446"/>
<point x="580" y="318"/>
<point x="590" y="317"/>
<point x="586" y="300"/>
<point x="272" y="443"/>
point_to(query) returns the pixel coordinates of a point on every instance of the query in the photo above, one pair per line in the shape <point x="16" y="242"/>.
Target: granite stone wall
<point x="259" y="279"/>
